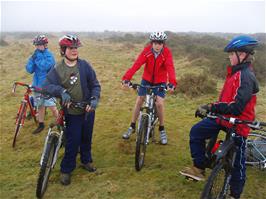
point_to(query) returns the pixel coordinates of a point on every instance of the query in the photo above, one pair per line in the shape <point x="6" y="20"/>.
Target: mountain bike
<point x="221" y="160"/>
<point x="146" y="123"/>
<point x="26" y="103"/>
<point x="256" y="149"/>
<point x="53" y="142"/>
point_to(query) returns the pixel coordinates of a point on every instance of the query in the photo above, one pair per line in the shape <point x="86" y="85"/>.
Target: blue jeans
<point x="78" y="137"/>
<point x="206" y="129"/>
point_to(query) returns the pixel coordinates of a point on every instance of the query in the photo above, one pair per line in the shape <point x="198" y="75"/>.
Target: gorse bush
<point x="193" y="85"/>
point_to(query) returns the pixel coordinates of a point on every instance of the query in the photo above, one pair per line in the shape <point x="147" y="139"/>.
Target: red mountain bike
<point x="22" y="111"/>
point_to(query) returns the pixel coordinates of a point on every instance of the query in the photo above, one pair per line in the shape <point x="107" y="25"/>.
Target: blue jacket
<point x="89" y="83"/>
<point x="40" y="63"/>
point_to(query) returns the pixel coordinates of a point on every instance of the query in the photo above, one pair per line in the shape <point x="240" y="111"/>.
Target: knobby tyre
<point x="255" y="149"/>
<point x="217" y="186"/>
<point x="46" y="166"/>
<point x="19" y="119"/>
<point x="140" y="143"/>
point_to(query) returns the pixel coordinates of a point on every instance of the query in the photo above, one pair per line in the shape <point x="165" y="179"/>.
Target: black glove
<point x="65" y="97"/>
<point x="126" y="82"/>
<point x="203" y="110"/>
<point x="94" y="102"/>
<point x="170" y="86"/>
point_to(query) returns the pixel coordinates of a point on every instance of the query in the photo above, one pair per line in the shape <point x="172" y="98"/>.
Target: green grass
<point x="116" y="176"/>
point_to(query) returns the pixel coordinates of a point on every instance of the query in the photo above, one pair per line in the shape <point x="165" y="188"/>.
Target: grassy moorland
<point x="116" y="176"/>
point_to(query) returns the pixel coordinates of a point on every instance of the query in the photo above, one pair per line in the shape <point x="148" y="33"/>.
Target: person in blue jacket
<point x="39" y="64"/>
<point x="74" y="79"/>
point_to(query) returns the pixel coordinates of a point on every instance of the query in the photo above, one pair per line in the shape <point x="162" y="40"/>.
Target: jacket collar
<point x="233" y="69"/>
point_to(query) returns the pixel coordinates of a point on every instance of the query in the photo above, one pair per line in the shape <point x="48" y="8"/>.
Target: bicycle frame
<point x="149" y="110"/>
<point x="26" y="100"/>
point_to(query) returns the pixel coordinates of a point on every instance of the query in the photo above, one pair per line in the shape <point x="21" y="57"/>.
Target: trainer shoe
<point x="127" y="134"/>
<point x="65" y="178"/>
<point x="38" y="130"/>
<point x="163" y="137"/>
<point x="194" y="173"/>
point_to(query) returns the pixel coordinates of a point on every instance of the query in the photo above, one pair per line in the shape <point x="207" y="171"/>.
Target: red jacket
<point x="156" y="70"/>
<point x="238" y="96"/>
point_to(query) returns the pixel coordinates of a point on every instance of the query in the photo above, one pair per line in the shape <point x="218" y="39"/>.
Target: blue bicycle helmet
<point x="242" y="44"/>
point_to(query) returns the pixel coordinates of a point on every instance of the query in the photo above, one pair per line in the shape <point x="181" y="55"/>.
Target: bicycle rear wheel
<point x="46" y="166"/>
<point x="256" y="150"/>
<point x="19" y="119"/>
<point x="140" y="143"/>
<point x="217" y="186"/>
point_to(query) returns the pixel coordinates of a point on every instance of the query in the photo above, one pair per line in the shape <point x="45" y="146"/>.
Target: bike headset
<point x="242" y="43"/>
<point x="68" y="41"/>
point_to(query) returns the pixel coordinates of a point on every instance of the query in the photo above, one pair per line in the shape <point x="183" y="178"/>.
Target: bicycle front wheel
<point x="46" y="166"/>
<point x="256" y="150"/>
<point x="19" y="121"/>
<point x="141" y="143"/>
<point x="217" y="186"/>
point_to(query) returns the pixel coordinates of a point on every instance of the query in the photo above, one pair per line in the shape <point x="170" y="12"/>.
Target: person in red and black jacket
<point x="238" y="100"/>
<point x="159" y="66"/>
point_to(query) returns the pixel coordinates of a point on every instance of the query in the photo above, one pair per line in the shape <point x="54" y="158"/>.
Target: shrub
<point x="193" y="85"/>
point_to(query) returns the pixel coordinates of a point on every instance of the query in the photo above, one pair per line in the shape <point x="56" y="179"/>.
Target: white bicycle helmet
<point x="158" y="36"/>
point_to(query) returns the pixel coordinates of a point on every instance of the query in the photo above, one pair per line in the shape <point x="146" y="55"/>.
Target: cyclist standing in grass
<point x="40" y="63"/>
<point x="237" y="99"/>
<point x="159" y="65"/>
<point x="74" y="79"/>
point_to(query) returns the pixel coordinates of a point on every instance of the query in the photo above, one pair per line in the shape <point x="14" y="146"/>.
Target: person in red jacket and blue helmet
<point x="159" y="66"/>
<point x="237" y="99"/>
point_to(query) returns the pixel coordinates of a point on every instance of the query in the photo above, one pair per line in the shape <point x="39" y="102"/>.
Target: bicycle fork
<point x="58" y="145"/>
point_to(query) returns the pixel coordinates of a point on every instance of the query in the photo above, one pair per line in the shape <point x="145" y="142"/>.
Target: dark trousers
<point x="78" y="137"/>
<point x="207" y="128"/>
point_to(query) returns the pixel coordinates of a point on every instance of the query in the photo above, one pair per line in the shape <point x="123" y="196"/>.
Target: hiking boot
<point x="194" y="173"/>
<point x="65" y="178"/>
<point x="38" y="130"/>
<point x="163" y="137"/>
<point x="89" y="167"/>
<point x="127" y="134"/>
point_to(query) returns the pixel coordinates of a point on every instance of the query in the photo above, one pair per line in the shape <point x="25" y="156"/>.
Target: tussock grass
<point x="116" y="176"/>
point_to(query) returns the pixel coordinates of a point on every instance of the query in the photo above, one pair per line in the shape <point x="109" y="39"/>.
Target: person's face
<point x="40" y="47"/>
<point x="233" y="57"/>
<point x="72" y="53"/>
<point x="157" y="46"/>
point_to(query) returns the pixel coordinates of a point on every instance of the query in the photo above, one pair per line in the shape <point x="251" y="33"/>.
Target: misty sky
<point x="134" y="15"/>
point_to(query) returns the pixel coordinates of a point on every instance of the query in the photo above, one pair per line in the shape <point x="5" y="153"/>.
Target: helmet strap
<point x="238" y="58"/>
<point x="71" y="60"/>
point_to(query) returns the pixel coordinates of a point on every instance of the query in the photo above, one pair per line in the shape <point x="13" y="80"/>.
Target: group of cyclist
<point x="75" y="79"/>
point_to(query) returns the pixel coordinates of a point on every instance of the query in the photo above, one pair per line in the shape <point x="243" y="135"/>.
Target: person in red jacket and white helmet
<point x="159" y="65"/>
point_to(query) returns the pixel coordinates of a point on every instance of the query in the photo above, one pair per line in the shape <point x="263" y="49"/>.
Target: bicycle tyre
<point x="23" y="108"/>
<point x="140" y="143"/>
<point x="46" y="166"/>
<point x="220" y="175"/>
<point x="254" y="143"/>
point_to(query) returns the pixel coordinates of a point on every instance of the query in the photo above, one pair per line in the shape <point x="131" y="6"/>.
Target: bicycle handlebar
<point x="33" y="88"/>
<point x="255" y="125"/>
<point x="136" y="86"/>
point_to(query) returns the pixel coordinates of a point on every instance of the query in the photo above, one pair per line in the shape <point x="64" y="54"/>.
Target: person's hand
<point x="126" y="84"/>
<point x="93" y="104"/>
<point x="65" y="98"/>
<point x="203" y="110"/>
<point x="34" y="55"/>
<point x="171" y="88"/>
